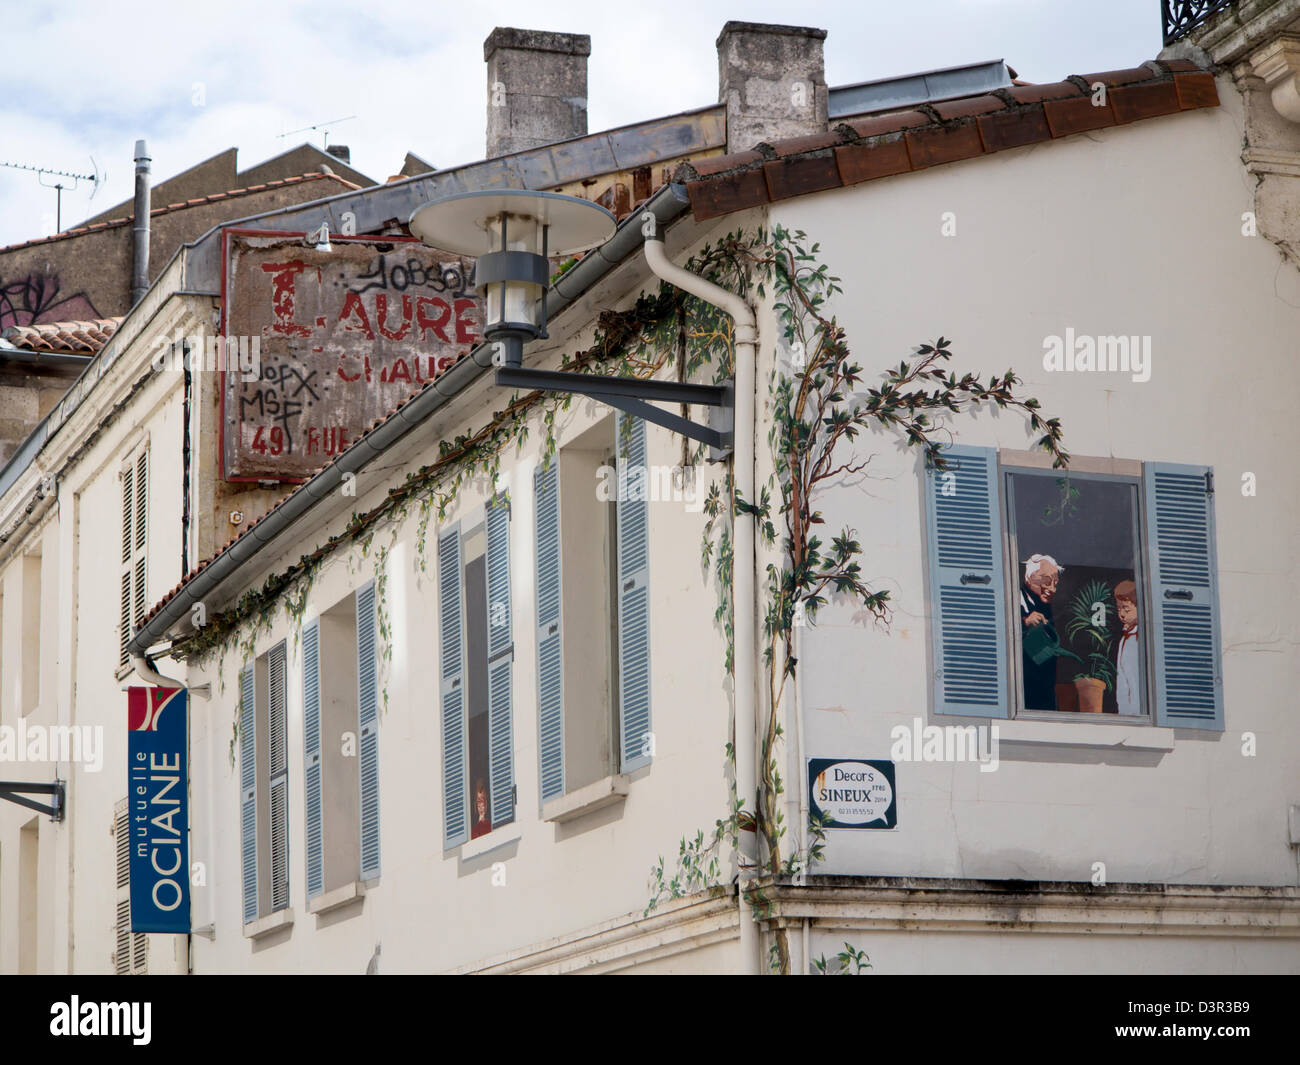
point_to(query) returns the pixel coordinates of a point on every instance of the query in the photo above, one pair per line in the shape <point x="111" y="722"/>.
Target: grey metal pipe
<point x="140" y="225"/>
<point x="668" y="204"/>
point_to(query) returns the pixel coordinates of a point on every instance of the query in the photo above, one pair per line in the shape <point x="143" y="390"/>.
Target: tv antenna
<point x="322" y="126"/>
<point x="95" y="177"/>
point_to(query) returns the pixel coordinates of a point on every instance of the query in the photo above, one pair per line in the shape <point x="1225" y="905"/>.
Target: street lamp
<point x="512" y="233"/>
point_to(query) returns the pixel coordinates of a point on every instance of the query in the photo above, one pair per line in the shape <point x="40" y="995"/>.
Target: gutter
<point x="39" y="499"/>
<point x="667" y="205"/>
<point x="744" y="610"/>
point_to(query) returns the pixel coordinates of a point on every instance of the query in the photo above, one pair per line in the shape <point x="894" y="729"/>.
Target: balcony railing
<point x="1183" y="16"/>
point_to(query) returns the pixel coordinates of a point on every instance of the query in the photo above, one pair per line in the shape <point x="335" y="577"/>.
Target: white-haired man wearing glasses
<point x="1042" y="575"/>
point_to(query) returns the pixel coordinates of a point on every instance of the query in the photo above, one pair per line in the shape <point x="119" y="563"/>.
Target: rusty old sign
<point x="328" y="342"/>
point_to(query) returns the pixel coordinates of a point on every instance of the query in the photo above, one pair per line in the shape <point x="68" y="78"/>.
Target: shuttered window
<point x="1114" y="596"/>
<point x="633" y="524"/>
<point x="135" y="509"/>
<point x="500" y="662"/>
<point x="550" y="658"/>
<point x="1184" y="595"/>
<point x="368" y="730"/>
<point x="313" y="814"/>
<point x="452" y="689"/>
<point x="278" y="782"/>
<point x="967" y="585"/>
<point x="130" y="950"/>
<point x="248" y="789"/>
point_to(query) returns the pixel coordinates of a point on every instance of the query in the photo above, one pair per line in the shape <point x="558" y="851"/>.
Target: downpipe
<point x="743" y="602"/>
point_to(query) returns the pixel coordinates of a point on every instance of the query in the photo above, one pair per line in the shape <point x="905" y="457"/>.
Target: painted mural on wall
<point x="36" y="299"/>
<point x="1081" y="631"/>
<point x="341" y="337"/>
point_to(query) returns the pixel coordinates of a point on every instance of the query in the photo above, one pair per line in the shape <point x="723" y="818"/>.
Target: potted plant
<point x="1088" y="621"/>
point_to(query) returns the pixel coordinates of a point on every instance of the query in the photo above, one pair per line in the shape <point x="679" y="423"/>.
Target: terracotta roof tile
<point x="114" y="223"/>
<point x="926" y="135"/>
<point x="78" y="338"/>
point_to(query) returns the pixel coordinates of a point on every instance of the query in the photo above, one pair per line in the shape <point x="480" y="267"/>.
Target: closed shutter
<point x="633" y="521"/>
<point x="248" y="789"/>
<point x="452" y="685"/>
<point x="501" y="758"/>
<point x="135" y="507"/>
<point x="550" y="659"/>
<point x="130" y="950"/>
<point x="312" y="769"/>
<point x="368" y="727"/>
<point x="967" y="585"/>
<point x="1184" y="595"/>
<point x="277" y="731"/>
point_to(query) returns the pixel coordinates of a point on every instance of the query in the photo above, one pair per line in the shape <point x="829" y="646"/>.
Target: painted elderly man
<point x="1042" y="575"/>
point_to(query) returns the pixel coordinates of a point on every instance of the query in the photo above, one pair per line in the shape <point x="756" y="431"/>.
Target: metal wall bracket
<point x="633" y="396"/>
<point x="14" y="790"/>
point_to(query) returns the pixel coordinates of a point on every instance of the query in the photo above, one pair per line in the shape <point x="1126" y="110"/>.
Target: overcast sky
<point x="85" y="78"/>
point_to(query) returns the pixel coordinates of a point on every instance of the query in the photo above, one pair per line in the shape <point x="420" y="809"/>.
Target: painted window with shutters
<point x="341" y="745"/>
<point x="476" y="674"/>
<point x="133" y="596"/>
<point x="130" y="950"/>
<point x="264" y="783"/>
<point x="1071" y="595"/>
<point x="593" y="607"/>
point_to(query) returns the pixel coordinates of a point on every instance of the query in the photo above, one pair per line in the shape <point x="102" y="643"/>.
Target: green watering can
<point x="1041" y="643"/>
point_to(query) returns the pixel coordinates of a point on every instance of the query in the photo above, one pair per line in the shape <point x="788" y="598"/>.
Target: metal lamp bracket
<point x="15" y="791"/>
<point x="634" y="396"/>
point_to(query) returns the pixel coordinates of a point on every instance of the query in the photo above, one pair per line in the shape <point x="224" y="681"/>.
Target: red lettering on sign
<point x="352" y="306"/>
<point x="397" y="372"/>
<point x="465" y="331"/>
<point x="381" y="317"/>
<point x="438" y="325"/>
<point x="282" y="293"/>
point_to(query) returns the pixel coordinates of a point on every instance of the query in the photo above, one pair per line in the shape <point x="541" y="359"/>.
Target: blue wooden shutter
<point x="277" y="728"/>
<point x="550" y="658"/>
<point x="1184" y="595"/>
<point x="967" y="585"/>
<point x="452" y="685"/>
<point x="312" y="782"/>
<point x="633" y="520"/>
<point x="368" y="729"/>
<point x="501" y="758"/>
<point x="248" y="789"/>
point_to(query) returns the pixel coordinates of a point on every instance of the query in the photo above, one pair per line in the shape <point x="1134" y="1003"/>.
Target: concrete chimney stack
<point x="773" y="81"/>
<point x="537" y="88"/>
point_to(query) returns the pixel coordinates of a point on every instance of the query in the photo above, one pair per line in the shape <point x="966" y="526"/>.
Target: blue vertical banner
<point x="158" y="809"/>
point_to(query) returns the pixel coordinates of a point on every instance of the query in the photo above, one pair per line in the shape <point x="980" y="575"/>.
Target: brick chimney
<point x="773" y="81"/>
<point x="537" y="88"/>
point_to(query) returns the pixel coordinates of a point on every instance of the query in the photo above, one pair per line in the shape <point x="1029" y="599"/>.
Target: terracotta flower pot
<point x="1090" y="692"/>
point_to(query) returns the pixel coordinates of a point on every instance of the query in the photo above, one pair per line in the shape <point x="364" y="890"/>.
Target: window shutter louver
<point x="128" y="501"/>
<point x="248" y="789"/>
<point x="550" y="660"/>
<point x="633" y="521"/>
<point x="368" y="728"/>
<point x="277" y="729"/>
<point x="454" y="740"/>
<point x="126" y="617"/>
<point x="501" y="765"/>
<point x="967" y="585"/>
<point x="313" y="813"/>
<point x="141" y="498"/>
<point x="122" y="938"/>
<point x="1184" y="595"/>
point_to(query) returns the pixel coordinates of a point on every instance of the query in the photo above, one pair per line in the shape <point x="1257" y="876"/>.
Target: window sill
<point x="1100" y="734"/>
<point x="501" y="837"/>
<point x="340" y="896"/>
<point x="272" y="922"/>
<point x="586" y="800"/>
